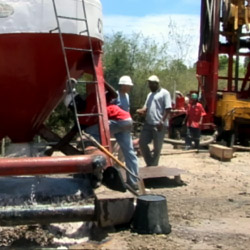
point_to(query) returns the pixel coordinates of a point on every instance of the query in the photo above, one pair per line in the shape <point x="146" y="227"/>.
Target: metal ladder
<point x="98" y="77"/>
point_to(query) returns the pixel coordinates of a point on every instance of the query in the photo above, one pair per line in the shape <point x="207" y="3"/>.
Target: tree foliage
<point x="139" y="57"/>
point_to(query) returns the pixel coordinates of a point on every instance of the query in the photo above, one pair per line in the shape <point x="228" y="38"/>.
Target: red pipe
<point x="50" y="165"/>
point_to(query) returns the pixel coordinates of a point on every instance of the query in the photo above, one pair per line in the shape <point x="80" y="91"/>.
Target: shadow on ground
<point x="163" y="182"/>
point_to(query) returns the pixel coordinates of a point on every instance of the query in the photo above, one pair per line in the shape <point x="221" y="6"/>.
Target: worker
<point x="125" y="84"/>
<point x="120" y="124"/>
<point x="157" y="109"/>
<point x="123" y="101"/>
<point x="193" y="120"/>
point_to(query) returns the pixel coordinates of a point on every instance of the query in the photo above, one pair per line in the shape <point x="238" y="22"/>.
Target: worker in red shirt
<point x="195" y="113"/>
<point x="120" y="124"/>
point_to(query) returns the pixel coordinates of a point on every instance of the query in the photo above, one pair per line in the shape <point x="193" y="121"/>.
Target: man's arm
<point x="168" y="107"/>
<point x="203" y="113"/>
<point x="200" y="122"/>
<point x="142" y="111"/>
<point x="166" y="115"/>
<point x="164" y="118"/>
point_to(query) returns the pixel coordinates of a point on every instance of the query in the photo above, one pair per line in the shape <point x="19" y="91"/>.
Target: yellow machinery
<point x="230" y="110"/>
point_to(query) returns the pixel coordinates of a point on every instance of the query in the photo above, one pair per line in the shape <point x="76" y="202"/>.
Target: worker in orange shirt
<point x="195" y="114"/>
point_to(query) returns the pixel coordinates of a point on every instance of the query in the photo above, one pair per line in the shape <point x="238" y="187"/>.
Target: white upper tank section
<point x="38" y="16"/>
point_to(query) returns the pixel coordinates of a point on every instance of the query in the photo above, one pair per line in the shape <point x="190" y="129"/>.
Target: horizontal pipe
<point x="51" y="165"/>
<point x="45" y="215"/>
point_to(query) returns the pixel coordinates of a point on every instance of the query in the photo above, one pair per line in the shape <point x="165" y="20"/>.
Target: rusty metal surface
<point x="50" y="136"/>
<point x="158" y="171"/>
<point x="48" y="165"/>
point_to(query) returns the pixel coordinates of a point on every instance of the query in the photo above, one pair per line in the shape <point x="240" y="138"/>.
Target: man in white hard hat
<point x="157" y="109"/>
<point x="123" y="101"/>
<point x="125" y="84"/>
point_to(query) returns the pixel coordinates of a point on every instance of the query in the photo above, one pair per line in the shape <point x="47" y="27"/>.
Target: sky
<point x="152" y="19"/>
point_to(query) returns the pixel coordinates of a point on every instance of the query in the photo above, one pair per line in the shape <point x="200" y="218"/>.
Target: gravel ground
<point x="211" y="210"/>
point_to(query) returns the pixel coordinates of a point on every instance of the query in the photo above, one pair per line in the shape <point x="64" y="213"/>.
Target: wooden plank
<point x="159" y="171"/>
<point x="221" y="152"/>
<point x="240" y="148"/>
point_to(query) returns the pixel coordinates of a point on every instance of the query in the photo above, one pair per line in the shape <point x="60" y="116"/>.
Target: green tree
<point x="116" y="58"/>
<point x="137" y="56"/>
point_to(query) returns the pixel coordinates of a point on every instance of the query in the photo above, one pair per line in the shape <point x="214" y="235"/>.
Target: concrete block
<point x="113" y="208"/>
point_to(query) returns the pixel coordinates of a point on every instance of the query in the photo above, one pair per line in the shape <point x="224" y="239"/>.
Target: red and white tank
<point x="32" y="68"/>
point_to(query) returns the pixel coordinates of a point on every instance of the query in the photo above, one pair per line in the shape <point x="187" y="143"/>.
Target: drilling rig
<point x="224" y="31"/>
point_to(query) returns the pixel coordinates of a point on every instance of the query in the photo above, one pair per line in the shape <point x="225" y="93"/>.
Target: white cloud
<point x="186" y="31"/>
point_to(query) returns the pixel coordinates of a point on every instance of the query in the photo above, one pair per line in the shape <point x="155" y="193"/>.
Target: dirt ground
<point x="211" y="210"/>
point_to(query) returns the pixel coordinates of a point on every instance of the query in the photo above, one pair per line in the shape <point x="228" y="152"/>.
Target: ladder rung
<point x="83" y="31"/>
<point x="87" y="82"/>
<point x="86" y="50"/>
<point x="73" y="18"/>
<point x="90" y="114"/>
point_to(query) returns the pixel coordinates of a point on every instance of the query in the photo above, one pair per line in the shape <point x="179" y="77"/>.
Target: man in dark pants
<point x="195" y="113"/>
<point x="156" y="109"/>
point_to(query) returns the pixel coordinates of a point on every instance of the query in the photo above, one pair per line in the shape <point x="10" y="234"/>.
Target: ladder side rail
<point x="69" y="84"/>
<point x="95" y="65"/>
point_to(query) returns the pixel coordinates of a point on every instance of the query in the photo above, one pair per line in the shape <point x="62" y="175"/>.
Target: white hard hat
<point x="125" y="80"/>
<point x="153" y="78"/>
<point x="177" y="92"/>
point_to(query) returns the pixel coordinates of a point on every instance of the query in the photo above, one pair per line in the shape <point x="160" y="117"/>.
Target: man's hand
<point x="141" y="111"/>
<point x="159" y="126"/>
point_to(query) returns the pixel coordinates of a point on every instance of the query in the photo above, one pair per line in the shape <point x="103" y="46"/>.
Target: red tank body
<point x="33" y="77"/>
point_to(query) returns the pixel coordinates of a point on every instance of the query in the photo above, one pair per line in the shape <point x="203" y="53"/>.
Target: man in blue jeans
<point x="120" y="124"/>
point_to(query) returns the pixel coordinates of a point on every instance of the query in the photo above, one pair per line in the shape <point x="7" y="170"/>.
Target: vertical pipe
<point x="237" y="60"/>
<point x="230" y="68"/>
<point x="3" y="147"/>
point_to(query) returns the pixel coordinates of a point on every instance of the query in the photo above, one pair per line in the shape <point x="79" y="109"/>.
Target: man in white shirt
<point x="157" y="109"/>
